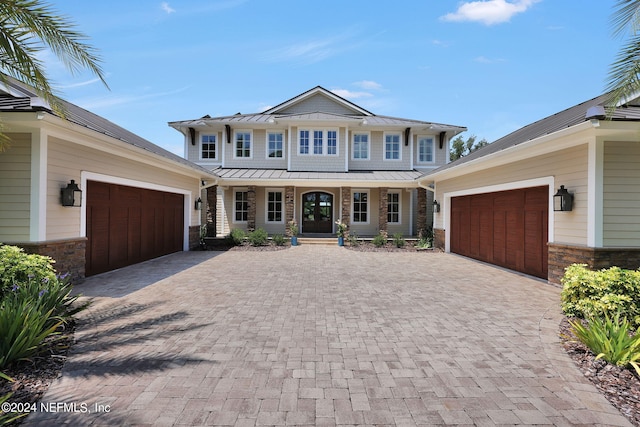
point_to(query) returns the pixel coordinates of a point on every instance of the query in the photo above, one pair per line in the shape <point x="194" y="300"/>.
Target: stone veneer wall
<point x="383" y="210"/>
<point x="345" y="198"/>
<point x="561" y="256"/>
<point x="69" y="255"/>
<point x="438" y="238"/>
<point x="251" y="202"/>
<point x="289" y="206"/>
<point x="212" y="202"/>
<point x="422" y="211"/>
<point x="194" y="237"/>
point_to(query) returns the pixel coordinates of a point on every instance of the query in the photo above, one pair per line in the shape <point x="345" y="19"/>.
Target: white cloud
<point x="313" y="51"/>
<point x="349" y="94"/>
<point x="485" y="60"/>
<point x="488" y="12"/>
<point x="368" y="85"/>
<point x="165" y="6"/>
<point x="80" y="84"/>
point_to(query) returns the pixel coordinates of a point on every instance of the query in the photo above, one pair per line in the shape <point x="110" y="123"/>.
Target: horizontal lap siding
<point x="621" y="179"/>
<point x="568" y="167"/>
<point x="15" y="174"/>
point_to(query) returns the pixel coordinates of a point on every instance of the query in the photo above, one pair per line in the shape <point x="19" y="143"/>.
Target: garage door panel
<point x="507" y="228"/>
<point x="126" y="225"/>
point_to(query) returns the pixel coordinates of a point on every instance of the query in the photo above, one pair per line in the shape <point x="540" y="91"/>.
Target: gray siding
<point x="315" y="103"/>
<point x="621" y="179"/>
<point x="320" y="163"/>
<point x="15" y="174"/>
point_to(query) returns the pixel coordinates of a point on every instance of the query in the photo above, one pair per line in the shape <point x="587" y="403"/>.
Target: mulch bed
<point x="621" y="386"/>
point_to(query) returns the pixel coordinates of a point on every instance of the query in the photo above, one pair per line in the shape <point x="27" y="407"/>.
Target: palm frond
<point x="626" y="17"/>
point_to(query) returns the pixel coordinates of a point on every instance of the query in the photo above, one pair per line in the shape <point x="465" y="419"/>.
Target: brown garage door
<point x="126" y="225"/>
<point x="507" y="228"/>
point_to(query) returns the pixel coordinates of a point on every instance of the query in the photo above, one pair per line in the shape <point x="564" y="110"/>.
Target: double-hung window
<point x="360" y="146"/>
<point x="274" y="206"/>
<point x="275" y="145"/>
<point x="243" y="144"/>
<point x="425" y="150"/>
<point x="208" y="147"/>
<point x="392" y="146"/>
<point x="241" y="206"/>
<point x="393" y="208"/>
<point x="360" y="207"/>
<point x="318" y="142"/>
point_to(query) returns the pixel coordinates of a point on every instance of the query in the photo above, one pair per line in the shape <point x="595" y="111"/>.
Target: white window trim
<point x="353" y="146"/>
<point x="325" y="141"/>
<point x="233" y="200"/>
<point x="399" y="193"/>
<point x="433" y="143"/>
<point x="235" y="141"/>
<point x="266" y="205"/>
<point x="266" y="151"/>
<point x="217" y="148"/>
<point x="384" y="146"/>
<point x="368" y="193"/>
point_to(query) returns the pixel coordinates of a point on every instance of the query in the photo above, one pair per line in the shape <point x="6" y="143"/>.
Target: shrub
<point x="258" y="237"/>
<point x="589" y="293"/>
<point x="237" y="236"/>
<point x="16" y="266"/>
<point x="610" y="339"/>
<point x="353" y="239"/>
<point x="424" y="243"/>
<point x="379" y="241"/>
<point x="398" y="240"/>
<point x="278" y="240"/>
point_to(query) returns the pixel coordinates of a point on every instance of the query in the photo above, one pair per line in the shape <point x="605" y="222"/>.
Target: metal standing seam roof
<point x="283" y="174"/>
<point x="548" y="125"/>
<point x="86" y="119"/>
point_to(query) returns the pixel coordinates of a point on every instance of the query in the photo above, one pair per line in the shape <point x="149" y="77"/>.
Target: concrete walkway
<point x="320" y="336"/>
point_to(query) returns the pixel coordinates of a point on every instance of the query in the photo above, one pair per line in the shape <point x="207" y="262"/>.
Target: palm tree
<point x="624" y="75"/>
<point x="28" y="27"/>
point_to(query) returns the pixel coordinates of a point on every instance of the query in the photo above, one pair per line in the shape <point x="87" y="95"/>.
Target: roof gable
<point x="318" y="99"/>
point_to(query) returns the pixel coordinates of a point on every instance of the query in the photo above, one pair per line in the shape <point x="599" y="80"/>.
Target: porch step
<point x="326" y="241"/>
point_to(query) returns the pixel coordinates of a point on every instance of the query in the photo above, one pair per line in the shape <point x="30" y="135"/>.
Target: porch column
<point x="212" y="193"/>
<point x="289" y="206"/>
<point x="383" y="210"/>
<point x="422" y="212"/>
<point x="345" y="197"/>
<point x="251" y="206"/>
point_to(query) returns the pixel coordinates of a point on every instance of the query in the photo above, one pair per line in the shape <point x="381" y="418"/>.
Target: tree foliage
<point x="461" y="147"/>
<point x="30" y="27"/>
<point x="624" y="73"/>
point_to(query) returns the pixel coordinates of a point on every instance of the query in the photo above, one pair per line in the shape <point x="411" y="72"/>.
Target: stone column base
<point x="69" y="255"/>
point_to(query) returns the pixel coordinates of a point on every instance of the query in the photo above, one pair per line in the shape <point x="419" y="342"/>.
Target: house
<point x="136" y="201"/>
<point x="497" y="204"/>
<point x="316" y="159"/>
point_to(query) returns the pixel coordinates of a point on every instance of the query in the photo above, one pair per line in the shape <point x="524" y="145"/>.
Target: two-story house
<point x="317" y="158"/>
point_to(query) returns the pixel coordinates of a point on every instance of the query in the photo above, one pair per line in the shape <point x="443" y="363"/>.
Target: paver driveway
<point x="321" y="336"/>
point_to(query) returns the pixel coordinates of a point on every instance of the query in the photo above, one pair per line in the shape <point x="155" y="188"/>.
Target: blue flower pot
<point x="340" y="241"/>
<point x="294" y="240"/>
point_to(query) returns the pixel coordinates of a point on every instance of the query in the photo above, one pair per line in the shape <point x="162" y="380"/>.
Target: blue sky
<point x="492" y="66"/>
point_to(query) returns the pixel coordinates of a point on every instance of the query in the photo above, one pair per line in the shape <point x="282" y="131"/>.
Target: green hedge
<point x="588" y="293"/>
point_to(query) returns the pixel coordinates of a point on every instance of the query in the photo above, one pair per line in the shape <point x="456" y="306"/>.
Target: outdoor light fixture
<point x="72" y="195"/>
<point x="562" y="200"/>
<point x="436" y="206"/>
<point x="198" y="205"/>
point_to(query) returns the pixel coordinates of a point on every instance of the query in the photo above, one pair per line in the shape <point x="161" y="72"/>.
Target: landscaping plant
<point x="16" y="266"/>
<point x="610" y="339"/>
<point x="278" y="239"/>
<point x="258" y="237"/>
<point x="588" y="293"/>
<point x="237" y="236"/>
<point x="379" y="241"/>
<point x="398" y="240"/>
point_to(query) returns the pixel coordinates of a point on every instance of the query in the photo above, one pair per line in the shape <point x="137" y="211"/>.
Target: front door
<point x="317" y="212"/>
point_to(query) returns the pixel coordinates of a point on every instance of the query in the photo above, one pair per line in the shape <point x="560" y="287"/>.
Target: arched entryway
<point x="317" y="212"/>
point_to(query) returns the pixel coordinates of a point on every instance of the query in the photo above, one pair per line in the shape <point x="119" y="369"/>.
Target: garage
<point x="506" y="228"/>
<point x="127" y="225"/>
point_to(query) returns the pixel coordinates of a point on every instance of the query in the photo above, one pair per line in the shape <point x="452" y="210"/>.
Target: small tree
<point x="461" y="148"/>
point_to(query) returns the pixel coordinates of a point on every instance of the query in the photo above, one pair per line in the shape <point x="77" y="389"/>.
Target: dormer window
<point x="208" y="147"/>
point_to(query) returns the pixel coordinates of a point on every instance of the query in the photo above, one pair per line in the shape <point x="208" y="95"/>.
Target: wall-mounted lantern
<point x="562" y="200"/>
<point x="436" y="206"/>
<point x="198" y="204"/>
<point x="72" y="195"/>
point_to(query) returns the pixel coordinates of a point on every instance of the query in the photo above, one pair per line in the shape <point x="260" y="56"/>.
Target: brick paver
<point x="321" y="336"/>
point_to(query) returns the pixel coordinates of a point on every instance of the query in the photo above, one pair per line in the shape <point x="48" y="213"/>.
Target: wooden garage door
<point x="507" y="228"/>
<point x="126" y="225"/>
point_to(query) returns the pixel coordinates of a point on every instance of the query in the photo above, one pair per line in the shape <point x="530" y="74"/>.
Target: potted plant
<point x="341" y="230"/>
<point x="293" y="230"/>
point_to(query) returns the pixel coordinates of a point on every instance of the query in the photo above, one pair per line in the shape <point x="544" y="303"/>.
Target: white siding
<point x="15" y="174"/>
<point x="621" y="201"/>
<point x="66" y="161"/>
<point x="568" y="167"/>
